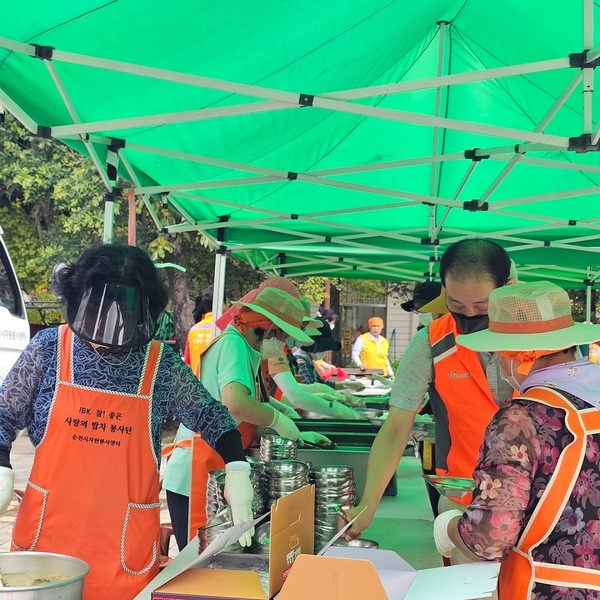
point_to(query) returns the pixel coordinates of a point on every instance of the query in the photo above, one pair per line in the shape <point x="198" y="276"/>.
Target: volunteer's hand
<point x="361" y="522"/>
<point x="331" y="396"/>
<point x="362" y="368"/>
<point x="318" y="439"/>
<point x="284" y="426"/>
<point x="286" y="409"/>
<point x="383" y="380"/>
<point x="352" y="401"/>
<point x="271" y="347"/>
<point x="341" y="411"/>
<point x="7" y="487"/>
<point x="318" y="388"/>
<point x="443" y="543"/>
<point x="356" y="386"/>
<point x="239" y="495"/>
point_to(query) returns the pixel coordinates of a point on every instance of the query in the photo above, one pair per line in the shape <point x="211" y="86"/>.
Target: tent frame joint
<point x="579" y="60"/>
<point x="306" y="99"/>
<point x="582" y="144"/>
<point x="116" y="144"/>
<point x="294" y="217"/>
<point x="430" y="242"/>
<point x="474" y="156"/>
<point x="43" y="52"/>
<point x="43" y="132"/>
<point x="474" y="206"/>
<point x="292" y="176"/>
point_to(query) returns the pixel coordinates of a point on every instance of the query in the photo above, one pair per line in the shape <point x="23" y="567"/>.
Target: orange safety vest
<point x="93" y="488"/>
<point x="373" y="357"/>
<point x="461" y="400"/>
<point x="205" y="459"/>
<point x="197" y="342"/>
<point x="519" y="572"/>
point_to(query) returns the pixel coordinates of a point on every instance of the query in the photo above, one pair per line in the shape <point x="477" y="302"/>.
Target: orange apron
<point x="519" y="572"/>
<point x="206" y="459"/>
<point x="94" y="484"/>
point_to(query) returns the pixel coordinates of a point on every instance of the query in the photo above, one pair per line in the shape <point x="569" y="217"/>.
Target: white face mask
<point x="425" y="319"/>
<point x="271" y="347"/>
<point x="510" y="378"/>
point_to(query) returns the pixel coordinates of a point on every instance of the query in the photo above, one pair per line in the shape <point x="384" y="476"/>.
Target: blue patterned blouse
<point x="27" y="391"/>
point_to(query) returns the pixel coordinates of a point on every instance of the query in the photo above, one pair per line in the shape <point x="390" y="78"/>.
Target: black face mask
<point x="470" y="324"/>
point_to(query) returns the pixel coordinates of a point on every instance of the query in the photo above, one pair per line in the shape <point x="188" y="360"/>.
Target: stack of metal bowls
<point x="215" y="527"/>
<point x="283" y="477"/>
<point x="334" y="492"/>
<point x="215" y="491"/>
<point x="275" y="447"/>
<point x="261" y="539"/>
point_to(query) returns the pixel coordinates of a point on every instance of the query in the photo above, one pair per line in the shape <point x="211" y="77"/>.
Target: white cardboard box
<point x="357" y="573"/>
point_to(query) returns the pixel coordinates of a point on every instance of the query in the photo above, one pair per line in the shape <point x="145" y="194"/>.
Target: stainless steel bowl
<point x="72" y="572"/>
<point x="369" y="413"/>
<point x="275" y="469"/>
<point x="357" y="543"/>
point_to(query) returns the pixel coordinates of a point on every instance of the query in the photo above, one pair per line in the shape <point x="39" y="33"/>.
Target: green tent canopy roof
<point x="345" y="138"/>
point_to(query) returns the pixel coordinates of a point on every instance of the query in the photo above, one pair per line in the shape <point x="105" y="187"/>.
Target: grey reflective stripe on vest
<point x="443" y="348"/>
<point x="440" y="350"/>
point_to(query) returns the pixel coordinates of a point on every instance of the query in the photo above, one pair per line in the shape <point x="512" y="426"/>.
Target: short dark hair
<point x="203" y="305"/>
<point x="114" y="262"/>
<point x="474" y="258"/>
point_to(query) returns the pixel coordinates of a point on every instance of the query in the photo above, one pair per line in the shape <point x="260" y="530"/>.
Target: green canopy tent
<point x="346" y="138"/>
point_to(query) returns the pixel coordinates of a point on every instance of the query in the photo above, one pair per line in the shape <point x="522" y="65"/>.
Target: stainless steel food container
<point x="44" y="563"/>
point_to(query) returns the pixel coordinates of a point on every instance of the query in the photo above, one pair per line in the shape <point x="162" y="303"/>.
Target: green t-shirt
<point x="230" y="359"/>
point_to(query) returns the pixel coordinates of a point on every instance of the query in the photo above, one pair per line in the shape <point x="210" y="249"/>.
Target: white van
<point x="14" y="325"/>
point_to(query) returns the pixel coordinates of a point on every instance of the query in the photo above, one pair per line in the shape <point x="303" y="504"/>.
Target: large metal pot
<point x="42" y="564"/>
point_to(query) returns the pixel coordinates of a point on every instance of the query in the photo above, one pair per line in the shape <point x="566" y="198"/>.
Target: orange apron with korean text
<point x="205" y="459"/>
<point x="94" y="484"/>
<point x="462" y="402"/>
<point x="519" y="572"/>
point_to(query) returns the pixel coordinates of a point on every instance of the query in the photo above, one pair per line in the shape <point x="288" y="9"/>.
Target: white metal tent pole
<point x="109" y="218"/>
<point x="438" y="101"/>
<point x="588" y="73"/>
<point x="588" y="295"/>
<point x="218" y="287"/>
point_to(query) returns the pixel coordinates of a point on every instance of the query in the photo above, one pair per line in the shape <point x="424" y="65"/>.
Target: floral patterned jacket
<point x="520" y="451"/>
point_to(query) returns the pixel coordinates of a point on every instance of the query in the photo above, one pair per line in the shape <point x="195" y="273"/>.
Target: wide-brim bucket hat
<point x="530" y="316"/>
<point x="285" y="311"/>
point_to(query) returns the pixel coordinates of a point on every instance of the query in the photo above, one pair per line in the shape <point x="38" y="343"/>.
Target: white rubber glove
<point x="331" y="397"/>
<point x="318" y="388"/>
<point x="312" y="437"/>
<point x="351" y="400"/>
<point x="284" y="426"/>
<point x="443" y="543"/>
<point x="271" y="347"/>
<point x="7" y="487"/>
<point x="347" y="384"/>
<point x="341" y="411"/>
<point x="239" y="495"/>
<point x="284" y="408"/>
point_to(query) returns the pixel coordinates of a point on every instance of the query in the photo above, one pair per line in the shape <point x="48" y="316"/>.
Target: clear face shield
<point x="112" y="314"/>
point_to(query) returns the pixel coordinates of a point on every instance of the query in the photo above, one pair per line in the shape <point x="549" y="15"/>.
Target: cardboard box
<point x="292" y="533"/>
<point x="356" y="574"/>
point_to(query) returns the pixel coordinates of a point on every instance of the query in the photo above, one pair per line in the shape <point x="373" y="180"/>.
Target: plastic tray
<point x="453" y="487"/>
